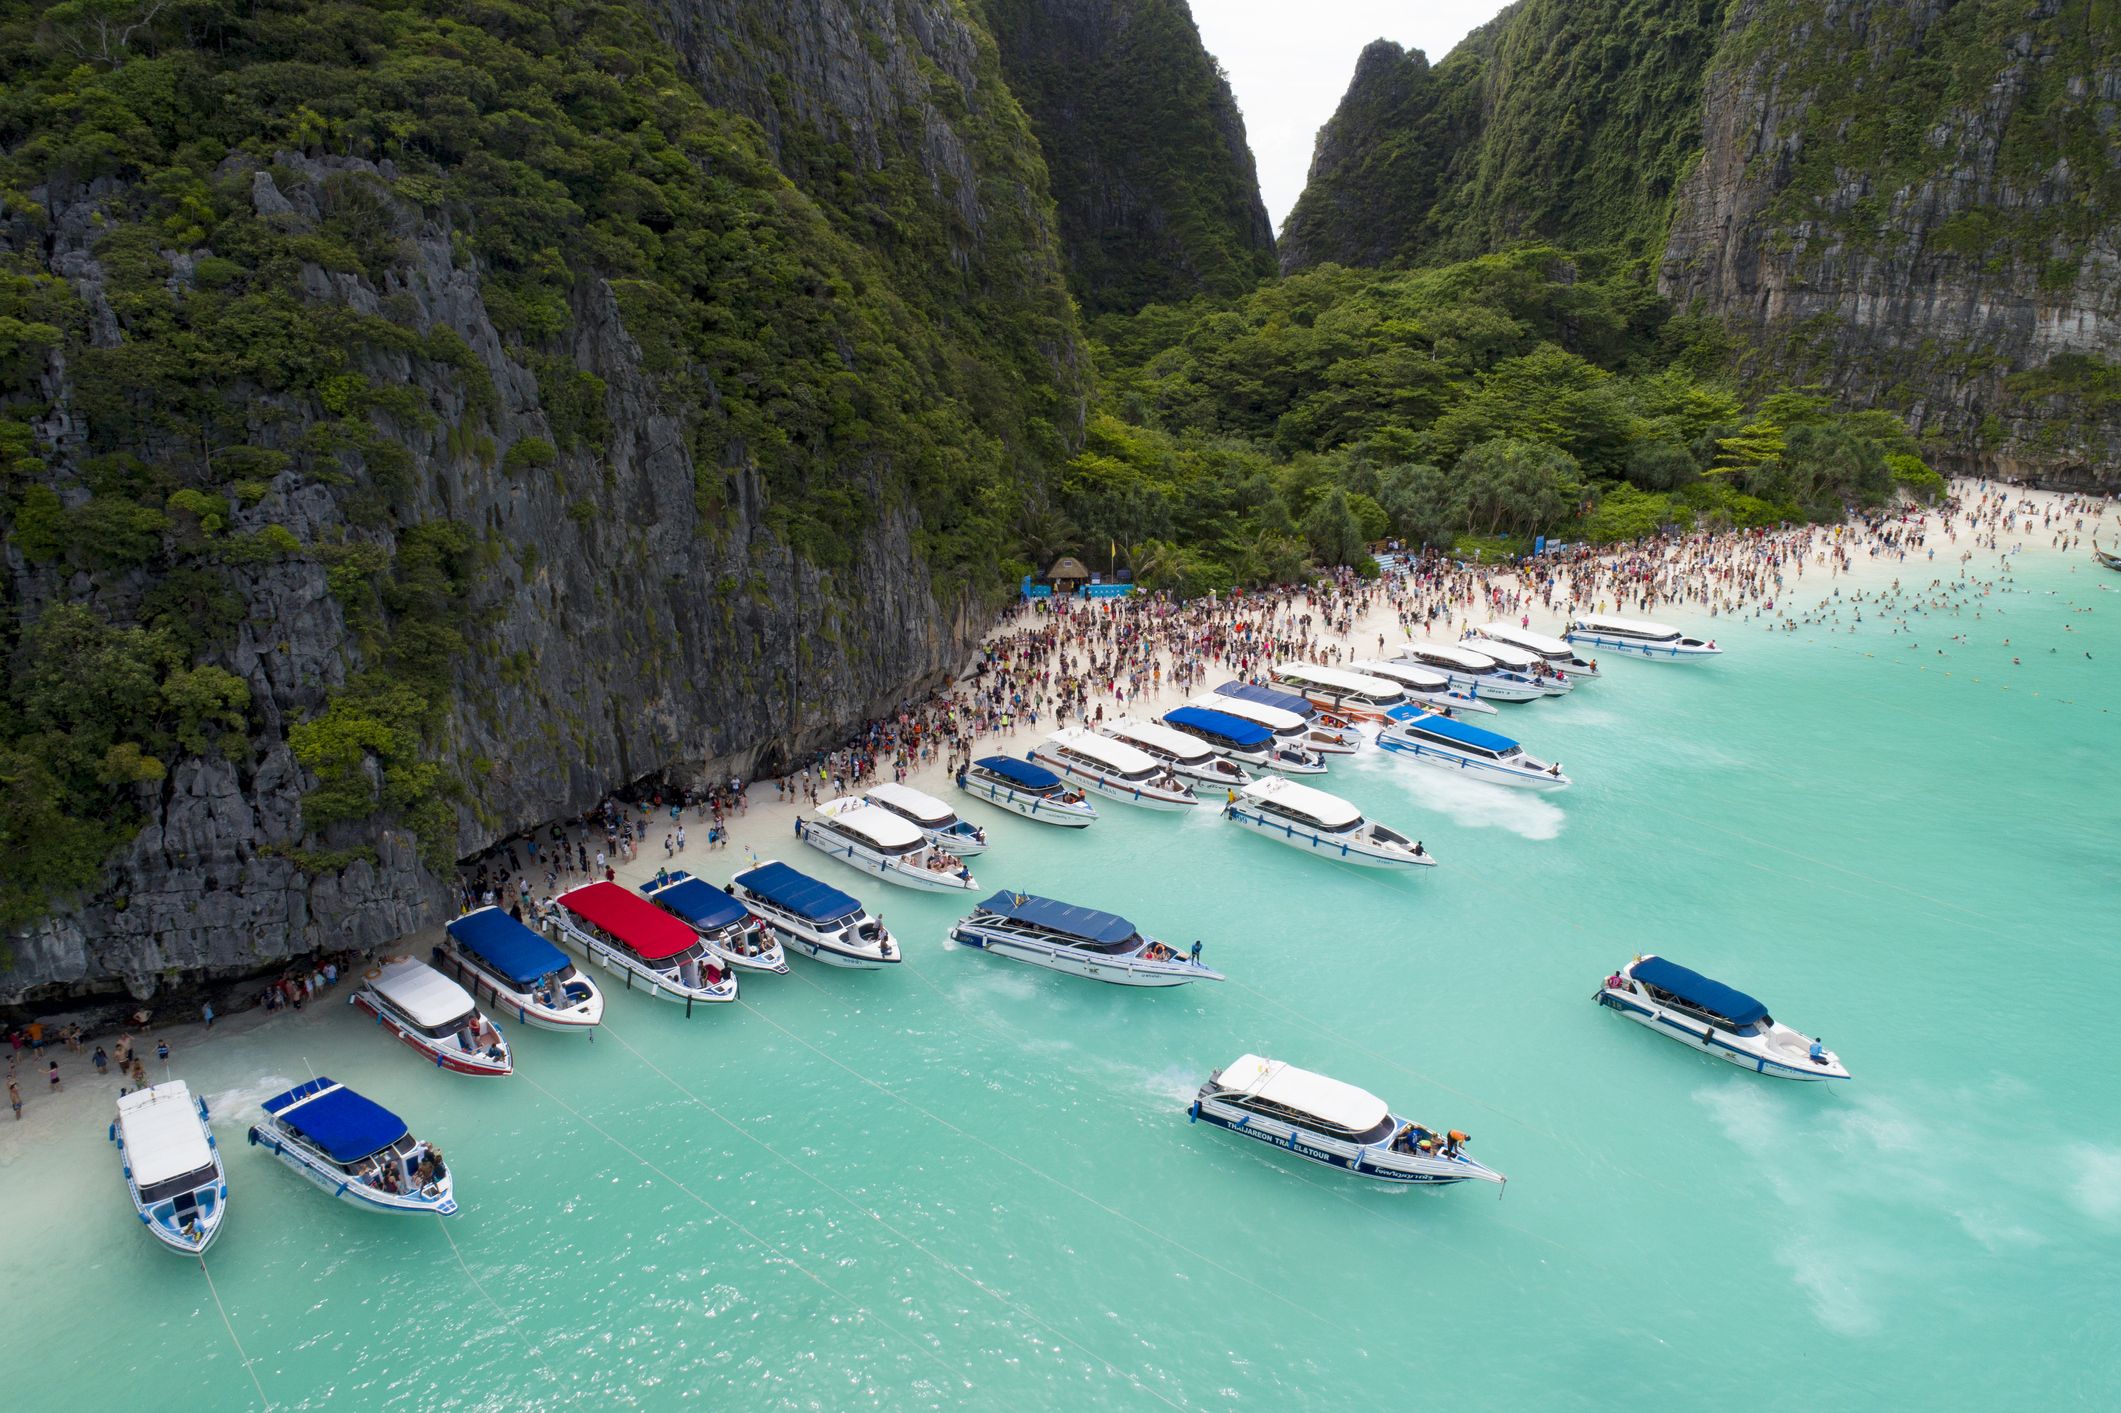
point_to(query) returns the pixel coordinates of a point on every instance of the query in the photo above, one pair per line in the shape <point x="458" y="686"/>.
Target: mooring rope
<point x="229" y="1325"/>
<point x="506" y="1318"/>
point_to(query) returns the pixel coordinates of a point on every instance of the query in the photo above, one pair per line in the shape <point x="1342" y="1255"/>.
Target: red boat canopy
<point x="648" y="931"/>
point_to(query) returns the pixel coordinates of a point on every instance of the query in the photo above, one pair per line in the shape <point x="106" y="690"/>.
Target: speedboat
<point x="1026" y="789"/>
<point x="1528" y="665"/>
<point x="1184" y="754"/>
<point x="1709" y="1016"/>
<point x="1472" y="671"/>
<point x="814" y="919"/>
<point x="873" y="840"/>
<point x="355" y="1149"/>
<point x="1079" y="941"/>
<point x="1353" y="695"/>
<point x="633" y="938"/>
<point x="1290" y="729"/>
<point x="1113" y="769"/>
<point x="1304" y="818"/>
<point x="518" y="972"/>
<point x="1559" y="655"/>
<point x="1426" y="690"/>
<point x="172" y="1165"/>
<point x="1321" y="730"/>
<point x="433" y="1015"/>
<point x="1336" y="1125"/>
<point x="1471" y="752"/>
<point x="725" y="927"/>
<point x="931" y="816"/>
<point x="1637" y="637"/>
<point x="1231" y="737"/>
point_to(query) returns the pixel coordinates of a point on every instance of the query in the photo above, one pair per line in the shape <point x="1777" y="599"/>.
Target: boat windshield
<point x="1311" y="821"/>
<point x="1379" y="1132"/>
<point x="874" y="846"/>
<point x="184" y="1182"/>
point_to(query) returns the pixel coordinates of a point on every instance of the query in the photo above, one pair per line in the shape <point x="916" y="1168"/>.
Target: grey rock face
<point x="1870" y="293"/>
<point x="607" y="648"/>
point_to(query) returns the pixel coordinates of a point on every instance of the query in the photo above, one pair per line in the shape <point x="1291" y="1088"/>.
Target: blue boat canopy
<point x="1022" y="772"/>
<point x="1267" y="696"/>
<point x="1696" y="989"/>
<point x="510" y="948"/>
<point x="337" y="1120"/>
<point x="798" y="892"/>
<point x="1452" y="729"/>
<point x="1242" y="733"/>
<point x="697" y="901"/>
<point x="1061" y="917"/>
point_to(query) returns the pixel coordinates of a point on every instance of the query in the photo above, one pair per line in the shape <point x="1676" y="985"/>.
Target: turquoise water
<point x="966" y="1182"/>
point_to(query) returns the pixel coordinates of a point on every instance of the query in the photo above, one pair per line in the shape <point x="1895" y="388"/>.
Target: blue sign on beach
<point x="1106" y="591"/>
<point x="1036" y="591"/>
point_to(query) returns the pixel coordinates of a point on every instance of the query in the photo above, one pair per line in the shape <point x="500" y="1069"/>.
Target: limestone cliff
<point x="1155" y="184"/>
<point x="1919" y="206"/>
<point x="428" y="428"/>
<point x="1916" y="206"/>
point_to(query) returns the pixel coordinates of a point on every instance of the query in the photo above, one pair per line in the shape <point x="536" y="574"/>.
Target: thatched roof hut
<point x="1067" y="570"/>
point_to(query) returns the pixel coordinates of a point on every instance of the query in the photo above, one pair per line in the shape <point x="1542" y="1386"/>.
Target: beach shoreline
<point x="764" y="828"/>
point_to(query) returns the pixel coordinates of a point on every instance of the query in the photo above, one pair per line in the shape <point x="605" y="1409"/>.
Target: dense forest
<point x="1470" y="407"/>
<point x="373" y="376"/>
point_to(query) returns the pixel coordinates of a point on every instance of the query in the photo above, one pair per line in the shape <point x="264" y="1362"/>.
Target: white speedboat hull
<point x="1685" y="650"/>
<point x="1043" y="808"/>
<point x="1382" y="1163"/>
<point x="876" y="865"/>
<point x="1487" y="687"/>
<point x="1353" y="849"/>
<point x="1112" y="969"/>
<point x="445" y="1053"/>
<point x="577" y="1019"/>
<point x="638" y="977"/>
<point x="1148" y="797"/>
<point x="1469" y="767"/>
<point x="1762" y="1054"/>
<point x="437" y="1198"/>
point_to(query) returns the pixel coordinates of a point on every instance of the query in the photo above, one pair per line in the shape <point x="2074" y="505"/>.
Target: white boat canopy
<point x="1273" y="718"/>
<point x="880" y="827"/>
<point x="427" y="997"/>
<point x="1464" y="659"/>
<point x="1338" y="1105"/>
<point x="163" y="1136"/>
<point x="1420" y="679"/>
<point x="1114" y="755"/>
<point x="1525" y="638"/>
<point x="1330" y="811"/>
<point x="925" y="810"/>
<point x="1336" y="680"/>
<point x="1182" y="745"/>
<point x="1629" y="627"/>
<point x="1508" y="654"/>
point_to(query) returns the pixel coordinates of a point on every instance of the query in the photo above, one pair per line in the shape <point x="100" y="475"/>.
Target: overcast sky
<point x="1290" y="61"/>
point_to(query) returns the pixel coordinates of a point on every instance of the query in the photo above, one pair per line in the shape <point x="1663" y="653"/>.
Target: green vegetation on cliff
<point x="243" y="196"/>
<point x="1564" y="121"/>
<point x="1532" y="392"/>
<point x="1157" y="194"/>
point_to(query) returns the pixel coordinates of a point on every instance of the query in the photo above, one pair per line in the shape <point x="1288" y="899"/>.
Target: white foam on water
<point x="2095" y="1182"/>
<point x="1470" y="802"/>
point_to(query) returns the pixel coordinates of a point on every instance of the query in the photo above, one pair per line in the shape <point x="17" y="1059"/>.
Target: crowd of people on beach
<point x="1055" y="662"/>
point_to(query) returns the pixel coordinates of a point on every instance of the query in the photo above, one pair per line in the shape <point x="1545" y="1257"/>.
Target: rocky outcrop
<point x="1559" y="121"/>
<point x="1961" y="264"/>
<point x="1915" y="207"/>
<point x="1155" y="183"/>
<point x="633" y="606"/>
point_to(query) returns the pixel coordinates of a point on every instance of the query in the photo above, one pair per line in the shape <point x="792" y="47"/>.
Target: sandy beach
<point x="764" y="828"/>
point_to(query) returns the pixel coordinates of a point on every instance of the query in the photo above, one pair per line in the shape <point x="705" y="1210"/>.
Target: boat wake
<point x="1471" y="802"/>
<point x="247" y="1101"/>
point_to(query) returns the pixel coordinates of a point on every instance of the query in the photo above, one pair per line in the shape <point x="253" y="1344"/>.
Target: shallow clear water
<point x="965" y="1181"/>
